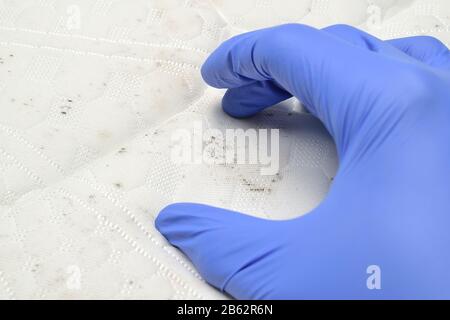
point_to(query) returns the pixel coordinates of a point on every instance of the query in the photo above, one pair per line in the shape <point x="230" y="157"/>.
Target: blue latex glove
<point x="387" y="106"/>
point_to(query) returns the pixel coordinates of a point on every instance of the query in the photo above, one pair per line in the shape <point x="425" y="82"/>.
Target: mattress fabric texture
<point x="91" y="92"/>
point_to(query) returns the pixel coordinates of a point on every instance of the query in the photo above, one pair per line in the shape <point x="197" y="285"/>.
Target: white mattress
<point x="90" y="93"/>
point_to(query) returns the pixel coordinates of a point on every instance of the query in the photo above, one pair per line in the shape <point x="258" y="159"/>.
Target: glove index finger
<point x="225" y="67"/>
<point x="298" y="58"/>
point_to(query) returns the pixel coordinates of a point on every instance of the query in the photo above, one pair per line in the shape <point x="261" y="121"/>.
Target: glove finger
<point x="250" y="99"/>
<point x="365" y="40"/>
<point x="327" y="74"/>
<point x="426" y="49"/>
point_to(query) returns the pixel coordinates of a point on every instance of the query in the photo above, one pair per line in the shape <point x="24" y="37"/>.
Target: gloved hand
<point x="387" y="106"/>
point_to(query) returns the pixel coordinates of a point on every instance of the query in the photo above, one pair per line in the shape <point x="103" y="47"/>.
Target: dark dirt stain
<point x="261" y="190"/>
<point x="255" y="188"/>
<point x="65" y="109"/>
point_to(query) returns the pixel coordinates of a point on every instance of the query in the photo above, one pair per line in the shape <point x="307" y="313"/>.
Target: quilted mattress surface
<point x="91" y="92"/>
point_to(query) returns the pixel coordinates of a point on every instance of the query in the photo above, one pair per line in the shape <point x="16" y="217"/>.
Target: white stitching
<point x="103" y="220"/>
<point x="177" y="45"/>
<point x="100" y="55"/>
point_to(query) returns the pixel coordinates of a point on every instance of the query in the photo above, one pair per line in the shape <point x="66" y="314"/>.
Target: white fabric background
<point x="90" y="92"/>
